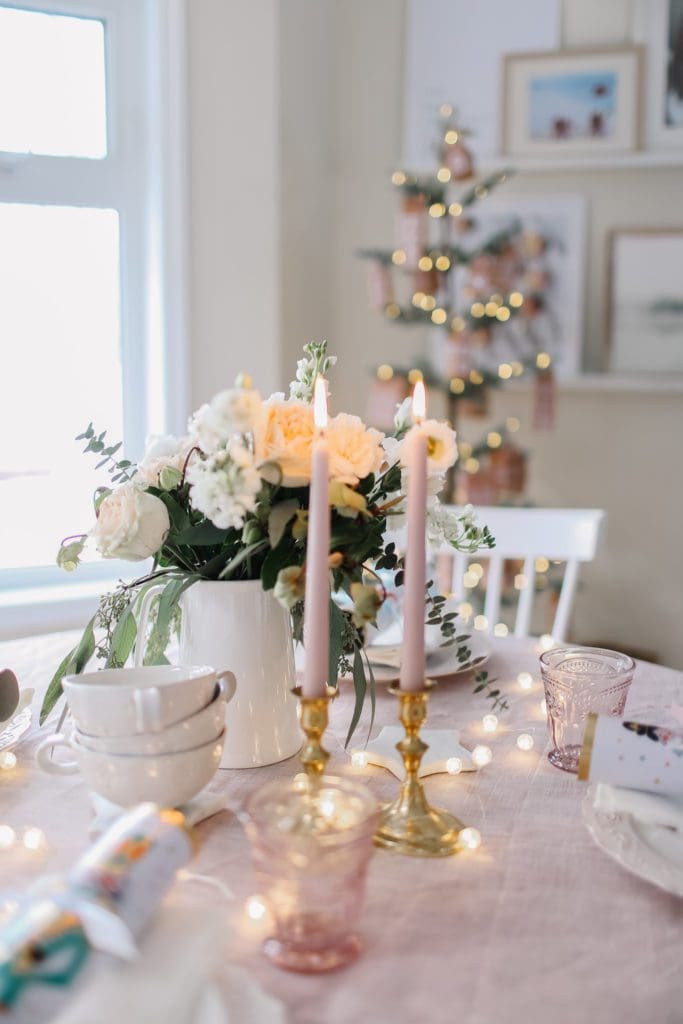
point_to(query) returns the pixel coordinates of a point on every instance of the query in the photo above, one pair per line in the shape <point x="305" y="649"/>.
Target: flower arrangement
<point x="229" y="501"/>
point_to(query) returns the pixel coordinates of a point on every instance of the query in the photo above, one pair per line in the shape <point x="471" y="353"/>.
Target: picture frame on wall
<point x="645" y="303"/>
<point x="571" y="102"/>
<point x="659" y="25"/>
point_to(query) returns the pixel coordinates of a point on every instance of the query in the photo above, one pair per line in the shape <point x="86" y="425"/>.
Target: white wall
<point x="234" y="132"/>
<point x="340" y="77"/>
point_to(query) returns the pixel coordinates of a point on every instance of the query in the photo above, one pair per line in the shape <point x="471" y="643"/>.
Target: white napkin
<point x="178" y="979"/>
<point x="649" y="808"/>
<point x="443" y="744"/>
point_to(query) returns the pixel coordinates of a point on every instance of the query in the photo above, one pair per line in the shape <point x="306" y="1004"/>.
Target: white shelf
<point x="617" y="382"/>
<point x="585" y="162"/>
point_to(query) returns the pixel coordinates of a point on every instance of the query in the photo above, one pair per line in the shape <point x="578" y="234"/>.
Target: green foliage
<point x="120" y="470"/>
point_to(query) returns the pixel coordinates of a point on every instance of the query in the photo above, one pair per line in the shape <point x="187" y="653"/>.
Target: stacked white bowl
<point x="153" y="733"/>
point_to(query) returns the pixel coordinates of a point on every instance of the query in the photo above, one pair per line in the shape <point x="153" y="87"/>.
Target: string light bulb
<point x="398" y="257"/>
<point x="7" y="837"/>
<point x="500" y="629"/>
<point x="393" y="310"/>
<point x="543" y="360"/>
<point x="516" y="299"/>
<point x="470" y="838"/>
<point x="453" y="765"/>
<point x="494" y="439"/>
<point x="525" y="741"/>
<point x="398" y="178"/>
<point x="442" y="263"/>
<point x="437" y="210"/>
<point x="525" y="680"/>
<point x="255" y="908"/>
<point x="359" y="758"/>
<point x="443" y="174"/>
<point x="385" y="372"/>
<point x="457" y="385"/>
<point x="470" y="579"/>
<point x="471" y="465"/>
<point x="425" y="263"/>
<point x="477" y="568"/>
<point x="477" y="309"/>
<point x="451" y="137"/>
<point x="505" y="371"/>
<point x="502" y="314"/>
<point x="481" y="756"/>
<point x="512" y="424"/>
<point x="480" y="622"/>
<point x="455" y="209"/>
<point x="439" y="316"/>
<point x="34" y="839"/>
<point x="489" y="723"/>
<point x="465" y="610"/>
<point x="8" y="760"/>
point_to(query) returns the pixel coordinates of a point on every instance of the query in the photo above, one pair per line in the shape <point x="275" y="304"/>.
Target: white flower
<point x="442" y="450"/>
<point x="458" y="529"/>
<point x="162" y="451"/>
<point x="229" y="413"/>
<point x="131" y="524"/>
<point x="355" y="450"/>
<point x="225" y="486"/>
<point x="404" y="414"/>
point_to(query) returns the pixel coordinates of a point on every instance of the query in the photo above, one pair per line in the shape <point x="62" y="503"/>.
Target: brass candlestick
<point x="409" y="825"/>
<point x="313" y="715"/>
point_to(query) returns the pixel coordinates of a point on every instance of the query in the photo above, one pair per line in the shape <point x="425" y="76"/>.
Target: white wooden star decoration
<point x="443" y="747"/>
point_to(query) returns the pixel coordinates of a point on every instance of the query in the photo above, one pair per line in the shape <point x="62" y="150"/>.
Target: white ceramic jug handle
<point x="55" y="767"/>
<point x="145" y="606"/>
<point x="228" y="684"/>
<point x="147" y="710"/>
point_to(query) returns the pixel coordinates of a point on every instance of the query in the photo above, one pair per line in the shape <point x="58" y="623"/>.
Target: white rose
<point x="355" y="450"/>
<point x="131" y="524"/>
<point x="230" y="412"/>
<point x="442" y="451"/>
<point x="162" y="451"/>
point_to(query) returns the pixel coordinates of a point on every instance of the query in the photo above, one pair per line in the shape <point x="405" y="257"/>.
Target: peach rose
<point x="355" y="450"/>
<point x="284" y="435"/>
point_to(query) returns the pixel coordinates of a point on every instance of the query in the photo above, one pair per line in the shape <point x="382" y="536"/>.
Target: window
<point x="86" y="184"/>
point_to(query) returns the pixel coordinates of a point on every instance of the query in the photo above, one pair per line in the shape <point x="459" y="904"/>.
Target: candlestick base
<point x="409" y="825"/>
<point x="313" y="716"/>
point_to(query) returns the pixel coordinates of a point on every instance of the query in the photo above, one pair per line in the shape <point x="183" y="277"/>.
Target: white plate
<point x="441" y="662"/>
<point x="649" y="851"/>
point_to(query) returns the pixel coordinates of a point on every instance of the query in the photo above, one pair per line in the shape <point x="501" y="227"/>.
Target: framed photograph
<point x="571" y="102"/>
<point x="659" y="25"/>
<point x="645" y="311"/>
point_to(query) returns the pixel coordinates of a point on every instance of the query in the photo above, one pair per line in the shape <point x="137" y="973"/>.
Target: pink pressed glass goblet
<point x="578" y="680"/>
<point x="310" y="847"/>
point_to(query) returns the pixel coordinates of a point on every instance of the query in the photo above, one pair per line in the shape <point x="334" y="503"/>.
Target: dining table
<point x="536" y="925"/>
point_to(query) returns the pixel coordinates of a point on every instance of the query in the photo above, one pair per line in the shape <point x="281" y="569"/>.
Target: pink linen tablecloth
<point x="538" y="925"/>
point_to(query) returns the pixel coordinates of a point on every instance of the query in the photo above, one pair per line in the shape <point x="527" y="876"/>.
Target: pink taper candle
<point x="413" y="650"/>
<point x="317" y="607"/>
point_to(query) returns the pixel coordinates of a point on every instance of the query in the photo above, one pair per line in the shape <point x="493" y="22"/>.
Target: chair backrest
<point x="569" y="535"/>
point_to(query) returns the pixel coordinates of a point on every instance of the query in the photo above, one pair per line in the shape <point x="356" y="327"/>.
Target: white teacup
<point x="192" y="732"/>
<point x="126" y="779"/>
<point x="126" y="701"/>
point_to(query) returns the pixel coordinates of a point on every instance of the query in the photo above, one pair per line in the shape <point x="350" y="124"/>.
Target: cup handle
<point x="44" y="760"/>
<point x="143" y="619"/>
<point x="228" y="684"/>
<point x="147" y="710"/>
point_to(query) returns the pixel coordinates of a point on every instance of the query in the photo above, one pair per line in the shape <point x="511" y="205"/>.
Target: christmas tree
<point x="482" y="296"/>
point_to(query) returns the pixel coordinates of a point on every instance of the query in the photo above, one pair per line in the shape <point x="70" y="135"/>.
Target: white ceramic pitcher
<point x="236" y="625"/>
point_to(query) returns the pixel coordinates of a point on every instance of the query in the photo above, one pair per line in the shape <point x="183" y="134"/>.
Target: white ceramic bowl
<point x="125" y="701"/>
<point x="195" y="731"/>
<point x="126" y="779"/>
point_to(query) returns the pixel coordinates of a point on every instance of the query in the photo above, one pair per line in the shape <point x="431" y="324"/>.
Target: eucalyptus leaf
<point x="360" y="686"/>
<point x="123" y="640"/>
<point x="278" y="518"/>
<point x="337" y="629"/>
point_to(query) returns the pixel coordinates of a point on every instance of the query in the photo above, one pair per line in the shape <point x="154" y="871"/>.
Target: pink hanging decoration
<point x="544" y="401"/>
<point x="411" y="229"/>
<point x="379" y="285"/>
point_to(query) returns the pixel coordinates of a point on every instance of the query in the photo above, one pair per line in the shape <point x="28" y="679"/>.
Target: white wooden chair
<point x="569" y="535"/>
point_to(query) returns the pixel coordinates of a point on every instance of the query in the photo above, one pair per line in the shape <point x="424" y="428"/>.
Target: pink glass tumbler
<point x="311" y="845"/>
<point x="578" y="680"/>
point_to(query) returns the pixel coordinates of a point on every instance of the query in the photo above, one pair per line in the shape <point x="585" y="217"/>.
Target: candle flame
<point x="419" y="402"/>
<point x="320" y="402"/>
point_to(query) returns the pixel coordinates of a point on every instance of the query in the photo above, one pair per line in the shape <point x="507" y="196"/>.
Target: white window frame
<point x="144" y="177"/>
